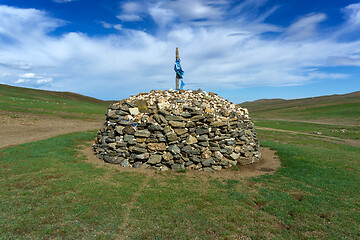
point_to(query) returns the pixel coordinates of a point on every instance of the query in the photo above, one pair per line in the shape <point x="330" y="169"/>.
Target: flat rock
<point x="154" y="159"/>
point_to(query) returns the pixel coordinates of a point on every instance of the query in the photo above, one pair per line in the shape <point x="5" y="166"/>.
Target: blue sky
<point x="243" y="50"/>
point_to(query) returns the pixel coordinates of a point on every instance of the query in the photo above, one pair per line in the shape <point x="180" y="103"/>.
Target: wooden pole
<point x="177" y="76"/>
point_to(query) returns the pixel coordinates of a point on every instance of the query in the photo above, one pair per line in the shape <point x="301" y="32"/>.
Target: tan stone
<point x="180" y="131"/>
<point x="157" y="146"/>
<point x="191" y="140"/>
<point x="206" y="154"/>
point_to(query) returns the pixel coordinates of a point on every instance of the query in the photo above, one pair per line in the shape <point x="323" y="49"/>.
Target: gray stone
<point x="137" y="164"/>
<point x="202" y="130"/>
<point x="174" y="149"/>
<point x="128" y="138"/>
<point x="164" y="112"/>
<point x="195" y="159"/>
<point x="206" y="154"/>
<point x="188" y="108"/>
<point x="142" y="156"/>
<point x="153" y="127"/>
<point x="171" y="137"/>
<point x="192" y="152"/>
<point x="216" y="168"/>
<point x="176" y="124"/>
<point x="188" y="163"/>
<point x="125" y="163"/>
<point x="173" y="118"/>
<point x="163" y="119"/>
<point x="167" y="130"/>
<point x="177" y="166"/>
<point x="218" y="156"/>
<point x="191" y="140"/>
<point x="129" y="130"/>
<point x="112" y="145"/>
<point x="208" y="169"/>
<point x="157" y="118"/>
<point x="134" y="111"/>
<point x="180" y="131"/>
<point x="154" y="159"/>
<point x="142" y="133"/>
<point x="180" y="101"/>
<point x="190" y="124"/>
<point x="125" y="122"/>
<point x="164" y="168"/>
<point x="167" y="156"/>
<point x="234" y="156"/>
<point x="203" y="138"/>
<point x="207" y="162"/>
<point x="218" y="124"/>
<point x="137" y="150"/>
<point x="204" y="144"/>
<point x="119" y="129"/>
<point x="186" y="115"/>
<point x="197" y="118"/>
<point x="111" y="114"/>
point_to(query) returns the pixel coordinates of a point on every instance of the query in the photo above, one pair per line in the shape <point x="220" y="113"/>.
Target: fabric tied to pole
<point x="178" y="69"/>
<point x="182" y="85"/>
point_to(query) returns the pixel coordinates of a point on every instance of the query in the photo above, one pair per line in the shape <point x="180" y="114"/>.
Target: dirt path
<point x="124" y="227"/>
<point x="350" y="142"/>
<point x="18" y="128"/>
<point x="325" y="122"/>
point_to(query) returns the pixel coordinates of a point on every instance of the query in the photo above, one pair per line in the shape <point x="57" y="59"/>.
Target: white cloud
<point x="353" y="13"/>
<point x="109" y="25"/>
<point x="346" y="61"/>
<point x="129" y="17"/>
<point x="131" y="12"/>
<point x="33" y="79"/>
<point x="189" y="10"/>
<point x="44" y="80"/>
<point x="305" y="28"/>
<point x="162" y="16"/>
<point x="21" y="80"/>
<point x="132" y="7"/>
<point x="28" y="75"/>
<point x="225" y="56"/>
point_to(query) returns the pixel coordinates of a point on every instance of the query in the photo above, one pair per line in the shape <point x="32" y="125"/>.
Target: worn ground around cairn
<point x="19" y="128"/>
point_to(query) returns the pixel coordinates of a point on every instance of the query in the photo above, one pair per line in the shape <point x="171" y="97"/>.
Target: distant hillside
<point x="65" y="104"/>
<point x="331" y="109"/>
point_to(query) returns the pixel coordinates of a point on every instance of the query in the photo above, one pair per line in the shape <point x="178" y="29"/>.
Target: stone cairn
<point x="177" y="130"/>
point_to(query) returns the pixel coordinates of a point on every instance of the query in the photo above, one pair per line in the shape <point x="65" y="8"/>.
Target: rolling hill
<point x="64" y="104"/>
<point x="332" y="109"/>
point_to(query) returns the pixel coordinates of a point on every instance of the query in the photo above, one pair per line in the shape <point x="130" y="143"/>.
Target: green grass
<point x="67" y="105"/>
<point x="335" y="109"/>
<point x="49" y="192"/>
<point x="345" y="132"/>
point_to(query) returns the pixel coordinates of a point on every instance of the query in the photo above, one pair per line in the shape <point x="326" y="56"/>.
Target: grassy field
<point x="335" y="109"/>
<point x="48" y="191"/>
<point x="64" y="104"/>
<point x="339" y="131"/>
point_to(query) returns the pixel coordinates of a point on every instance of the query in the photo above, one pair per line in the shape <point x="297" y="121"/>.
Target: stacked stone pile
<point x="177" y="130"/>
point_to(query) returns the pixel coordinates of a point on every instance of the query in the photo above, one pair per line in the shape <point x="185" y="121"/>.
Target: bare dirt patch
<point x="19" y="128"/>
<point x="269" y="163"/>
